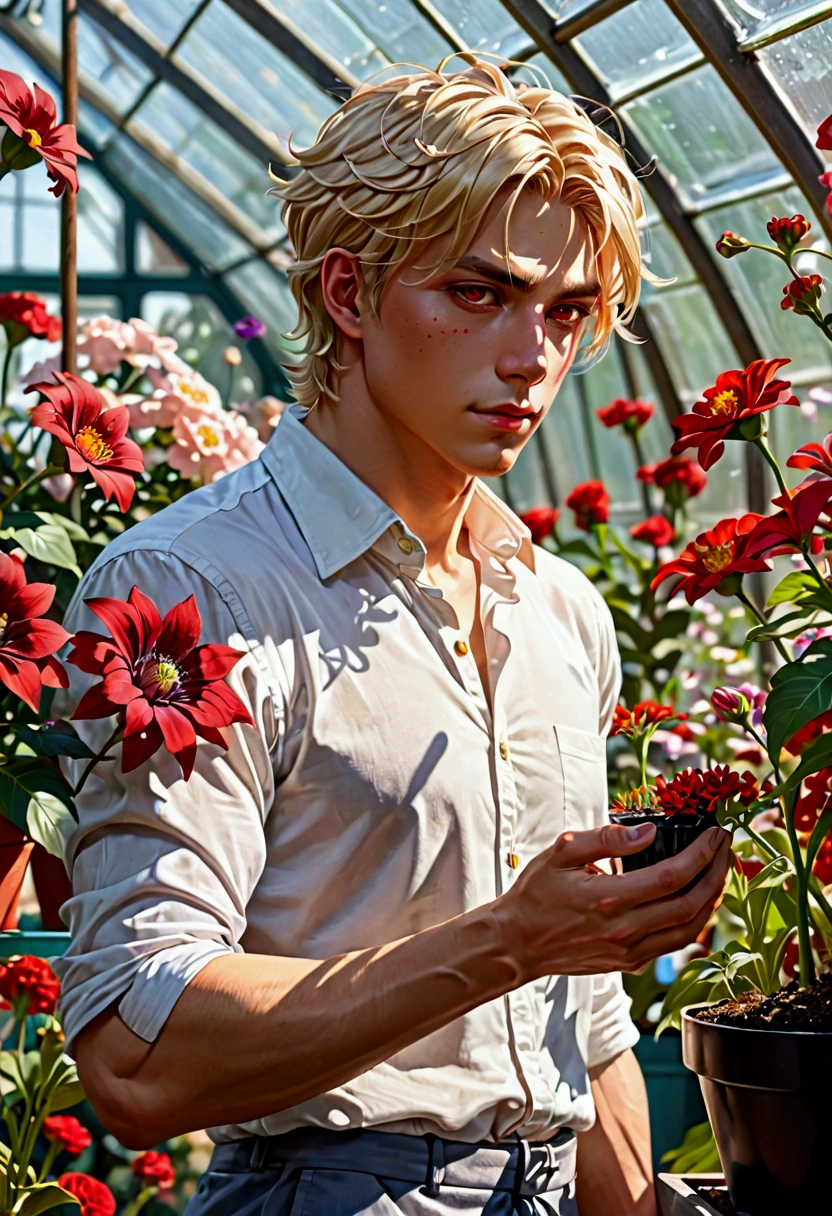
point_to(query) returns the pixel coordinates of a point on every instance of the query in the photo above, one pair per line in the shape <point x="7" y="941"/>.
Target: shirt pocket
<point x="583" y="758"/>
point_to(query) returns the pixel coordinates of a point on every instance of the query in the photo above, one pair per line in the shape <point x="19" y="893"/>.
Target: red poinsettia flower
<point x="540" y="521"/>
<point x="729" y="245"/>
<point x="787" y="233"/>
<point x="716" y="555"/>
<point x="632" y="415"/>
<point x="27" y="642"/>
<point x="95" y="1198"/>
<point x="155" y="1169"/>
<point x="29" y="985"/>
<point x="694" y="792"/>
<point x="33" y="132"/>
<point x="814" y="456"/>
<point x="67" y="1131"/>
<point x="824" y="139"/>
<point x="94" y="436"/>
<point x="657" y="530"/>
<point x="679" y="477"/>
<point x="737" y="398"/>
<point x="591" y="504"/>
<point x="164" y="687"/>
<point x="803" y="293"/>
<point x="23" y="315"/>
<point x="786" y="531"/>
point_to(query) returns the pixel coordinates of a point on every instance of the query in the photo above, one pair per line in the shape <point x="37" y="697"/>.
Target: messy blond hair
<point x="420" y="155"/>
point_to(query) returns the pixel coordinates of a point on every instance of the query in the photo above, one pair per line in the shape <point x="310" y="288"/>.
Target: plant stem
<point x="49" y="1160"/>
<point x="49" y="471"/>
<point x="113" y="739"/>
<point x="4" y="379"/>
<point x="761" y="842"/>
<point x="807" y="557"/>
<point x="144" y="1196"/>
<point x="762" y="446"/>
<point x="806" y="964"/>
<point x="640" y="462"/>
<point x="21" y="1039"/>
<point x="754" y="610"/>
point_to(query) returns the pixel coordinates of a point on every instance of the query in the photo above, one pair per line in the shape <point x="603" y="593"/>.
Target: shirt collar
<point x="340" y="517"/>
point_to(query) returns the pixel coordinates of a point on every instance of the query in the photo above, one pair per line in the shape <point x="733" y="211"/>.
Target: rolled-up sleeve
<point x="162" y="868"/>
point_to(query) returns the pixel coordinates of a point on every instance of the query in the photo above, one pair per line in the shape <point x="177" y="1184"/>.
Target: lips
<point x="508" y="410"/>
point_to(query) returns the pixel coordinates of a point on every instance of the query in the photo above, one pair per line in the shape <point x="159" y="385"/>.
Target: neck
<point x="430" y="495"/>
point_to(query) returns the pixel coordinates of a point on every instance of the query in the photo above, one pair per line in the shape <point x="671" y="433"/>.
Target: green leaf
<point x="695" y="1154"/>
<point x="26" y="779"/>
<point x="792" y="587"/>
<point x="697" y="982"/>
<point x="800" y="692"/>
<point x="73" y="530"/>
<point x="771" y="875"/>
<point x="69" y="1093"/>
<point x="52" y="743"/>
<point x="782" y="627"/>
<point x="42" y="1198"/>
<point x="672" y="625"/>
<point x="49" y="543"/>
<point x="50" y="822"/>
<point x="578" y="546"/>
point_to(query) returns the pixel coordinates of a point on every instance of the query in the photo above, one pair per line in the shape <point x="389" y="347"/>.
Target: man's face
<point x="469" y="361"/>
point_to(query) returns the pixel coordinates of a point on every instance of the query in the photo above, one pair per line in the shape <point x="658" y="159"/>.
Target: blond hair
<point x="421" y="155"/>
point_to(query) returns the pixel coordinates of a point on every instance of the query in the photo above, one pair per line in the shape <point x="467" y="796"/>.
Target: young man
<point x="371" y="944"/>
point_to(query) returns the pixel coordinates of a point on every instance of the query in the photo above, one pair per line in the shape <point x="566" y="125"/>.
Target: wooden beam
<point x="69" y="200"/>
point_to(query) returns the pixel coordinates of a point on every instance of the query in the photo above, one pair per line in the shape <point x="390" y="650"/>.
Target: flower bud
<point x="787" y="233"/>
<point x="233" y="356"/>
<point x="729" y="245"/>
<point x="729" y="704"/>
<point x="803" y="293"/>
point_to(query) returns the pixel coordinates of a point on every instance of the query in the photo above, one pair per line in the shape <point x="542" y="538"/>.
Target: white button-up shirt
<point x="377" y="794"/>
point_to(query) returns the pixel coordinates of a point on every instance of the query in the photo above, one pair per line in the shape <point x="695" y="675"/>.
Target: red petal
<point x="137" y="715"/>
<point x="31" y="601"/>
<point x="123" y="622"/>
<point x="34" y="639"/>
<point x="53" y="674"/>
<point x="179" y="736"/>
<point x="180" y="631"/>
<point x="22" y="678"/>
<point x="149" y="618"/>
<point x="94" y="704"/>
<point x="91" y="651"/>
<point x="12" y="577"/>
<point x="118" y="687"/>
<point x="214" y="661"/>
<point x="114" y="485"/>
<point x="140" y="746"/>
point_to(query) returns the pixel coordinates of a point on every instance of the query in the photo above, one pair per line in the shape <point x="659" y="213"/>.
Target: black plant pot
<point x="767" y="1094"/>
<point x="673" y="834"/>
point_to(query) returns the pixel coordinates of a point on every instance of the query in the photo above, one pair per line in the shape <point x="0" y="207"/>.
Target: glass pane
<point x="561" y="9"/>
<point x="265" y="294"/>
<point x="544" y="67"/>
<point x="641" y="42"/>
<point x="254" y="75"/>
<point x="154" y="256"/>
<point x="100" y="225"/>
<point x="94" y="128"/>
<point x="665" y="257"/>
<point x="203" y="145"/>
<point x="176" y="207"/>
<point x="693" y="341"/>
<point x="399" y="29"/>
<point x="758" y="280"/>
<point x="337" y="34"/>
<point x="164" y="18"/>
<point x="203" y="334"/>
<point x="802" y="66"/>
<point x="754" y="16"/>
<point x="484" y="25"/>
<point x="701" y="134"/>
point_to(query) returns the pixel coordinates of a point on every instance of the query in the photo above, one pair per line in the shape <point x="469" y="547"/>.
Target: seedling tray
<point x="680" y="1195"/>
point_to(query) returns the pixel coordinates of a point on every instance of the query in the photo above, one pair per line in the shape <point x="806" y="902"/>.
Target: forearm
<point x="254" y="1034"/>
<point x="615" y="1172"/>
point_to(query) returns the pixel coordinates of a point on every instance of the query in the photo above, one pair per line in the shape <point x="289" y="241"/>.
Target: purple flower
<point x="249" y="327"/>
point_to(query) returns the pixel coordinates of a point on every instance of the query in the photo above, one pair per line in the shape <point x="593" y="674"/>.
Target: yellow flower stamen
<point x="33" y="139"/>
<point x="724" y="402"/>
<point x="92" y="445"/>
<point x="196" y="395"/>
<point x="208" y="437"/>
<point x="4" y="620"/>
<point x="716" y="557"/>
<point x="167" y="674"/>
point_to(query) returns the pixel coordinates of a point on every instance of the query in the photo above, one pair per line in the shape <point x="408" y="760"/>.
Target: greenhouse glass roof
<point x="184" y="104"/>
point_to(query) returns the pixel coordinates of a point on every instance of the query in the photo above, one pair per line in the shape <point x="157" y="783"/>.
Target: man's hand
<point x="564" y="916"/>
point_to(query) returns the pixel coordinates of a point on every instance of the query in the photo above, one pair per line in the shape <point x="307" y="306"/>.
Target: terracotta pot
<point x="52" y="885"/>
<point x="767" y="1094"/>
<point x="673" y="834"/>
<point x="15" y="848"/>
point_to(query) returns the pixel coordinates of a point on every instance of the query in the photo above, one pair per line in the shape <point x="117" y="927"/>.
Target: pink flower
<point x="173" y="391"/>
<point x="107" y="343"/>
<point x="729" y="703"/>
<point x="263" y="414"/>
<point x="210" y="444"/>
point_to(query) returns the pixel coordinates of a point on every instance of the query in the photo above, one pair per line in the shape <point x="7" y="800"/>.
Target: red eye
<point x="474" y="293"/>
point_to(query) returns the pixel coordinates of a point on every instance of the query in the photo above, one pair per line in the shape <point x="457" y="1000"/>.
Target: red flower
<point x="94" y="436"/>
<point x="540" y="521"/>
<point x="681" y="795"/>
<point x="679" y="477"/>
<point x="716" y="555"/>
<point x="807" y="733"/>
<point x="822" y="865"/>
<point x="788" y="233"/>
<point x="824" y="139"/>
<point x="657" y="531"/>
<point x="33" y="132"/>
<point x="803" y="293"/>
<point x="95" y="1198"/>
<point x="813" y="456"/>
<point x="29" y="985"/>
<point x="68" y="1132"/>
<point x="694" y="792"/>
<point x="23" y="315"/>
<point x="786" y="531"/>
<point x="825" y="179"/>
<point x="28" y="643"/>
<point x="729" y="245"/>
<point x="643" y="715"/>
<point x="155" y="1169"/>
<point x="622" y="721"/>
<point x="591" y="504"/>
<point x="632" y="415"/>
<point x="734" y="402"/>
<point x="165" y="688"/>
<point x="814" y="798"/>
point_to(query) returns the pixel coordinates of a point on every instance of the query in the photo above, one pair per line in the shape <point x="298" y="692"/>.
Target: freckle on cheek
<point x="465" y="331"/>
<point x="454" y="331"/>
<point x="436" y="318"/>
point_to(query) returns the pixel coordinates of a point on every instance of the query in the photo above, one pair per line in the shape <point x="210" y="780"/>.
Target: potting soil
<point x="792" y="1008"/>
<point x="718" y="1197"/>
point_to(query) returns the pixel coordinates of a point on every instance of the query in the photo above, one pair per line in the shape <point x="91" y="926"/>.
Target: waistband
<point x="517" y="1166"/>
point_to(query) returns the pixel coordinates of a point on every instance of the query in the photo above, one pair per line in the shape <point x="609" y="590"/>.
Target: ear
<point x="341" y="283"/>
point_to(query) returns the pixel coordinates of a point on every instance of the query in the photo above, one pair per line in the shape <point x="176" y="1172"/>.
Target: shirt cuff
<point x="159" y="983"/>
<point x="613" y="1030"/>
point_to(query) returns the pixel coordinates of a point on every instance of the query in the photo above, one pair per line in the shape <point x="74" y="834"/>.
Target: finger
<point x="632" y="926"/>
<point x="667" y="941"/>
<point x="573" y="850"/>
<point x="667" y="877"/>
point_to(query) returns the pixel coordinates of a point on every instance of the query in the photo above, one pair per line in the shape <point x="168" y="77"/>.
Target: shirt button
<point x="513" y="860"/>
<point x="460" y="647"/>
<point x="503" y="749"/>
<point x="405" y="544"/>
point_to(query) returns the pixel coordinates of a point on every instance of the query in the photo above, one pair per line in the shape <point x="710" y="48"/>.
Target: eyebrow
<point x="526" y="283"/>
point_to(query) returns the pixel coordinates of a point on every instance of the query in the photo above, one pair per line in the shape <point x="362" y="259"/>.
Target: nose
<point x="522" y="356"/>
